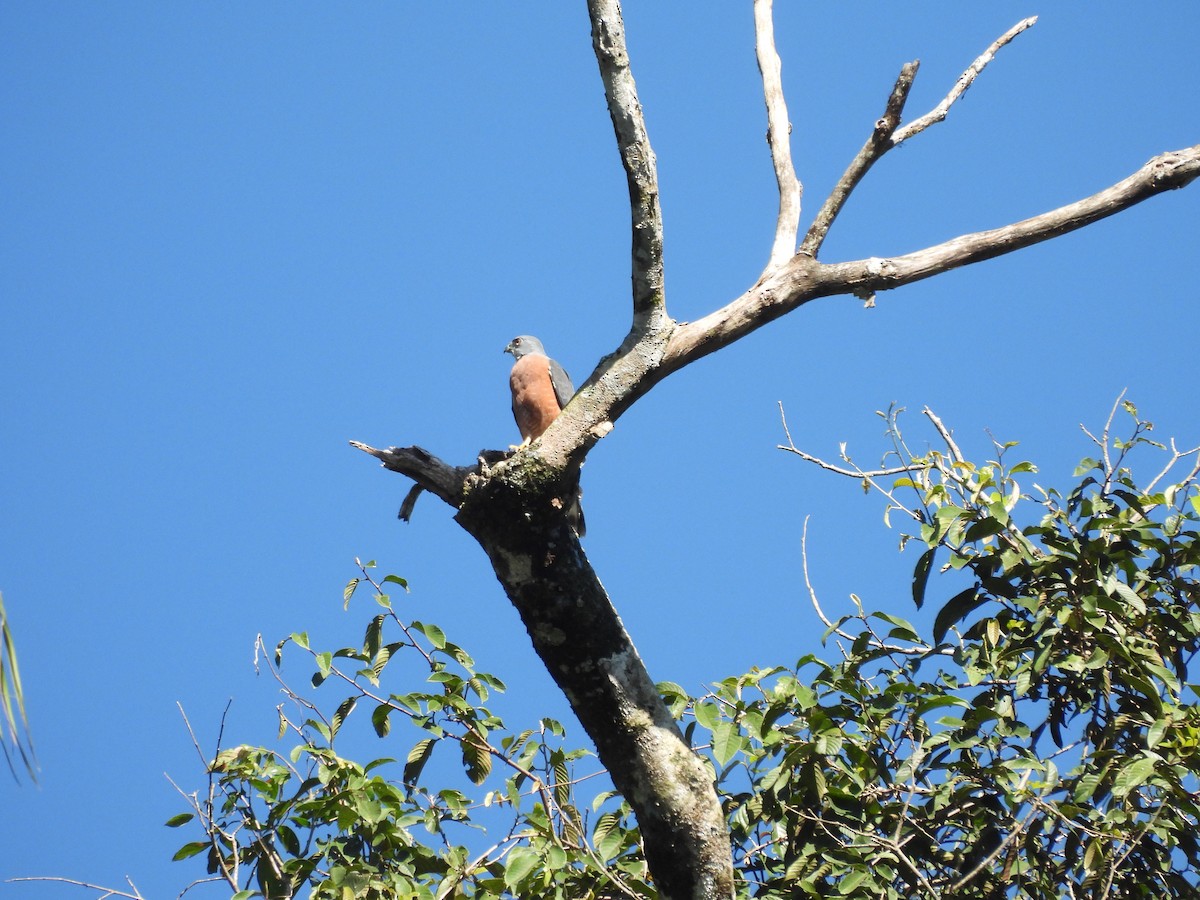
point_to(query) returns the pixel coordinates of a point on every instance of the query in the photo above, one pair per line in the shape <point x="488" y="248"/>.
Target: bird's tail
<point x="574" y="514"/>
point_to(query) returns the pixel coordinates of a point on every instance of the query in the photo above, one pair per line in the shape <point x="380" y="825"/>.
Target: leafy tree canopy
<point x="1041" y="740"/>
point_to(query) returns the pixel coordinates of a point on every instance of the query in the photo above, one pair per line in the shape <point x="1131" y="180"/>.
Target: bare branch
<point x="877" y="144"/>
<point x="887" y="134"/>
<point x="779" y="131"/>
<point x="105" y="892"/>
<point x="633" y="142"/>
<point x="1162" y="173"/>
<point x="435" y="476"/>
<point x="955" y="453"/>
<point x="808" y="457"/>
<point x="1176" y="455"/>
<point x="812" y="593"/>
<point x="965" y="80"/>
<point x="838" y="470"/>
<point x="805" y="279"/>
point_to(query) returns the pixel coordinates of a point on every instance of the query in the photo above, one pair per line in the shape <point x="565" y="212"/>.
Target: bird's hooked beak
<point x="511" y="348"/>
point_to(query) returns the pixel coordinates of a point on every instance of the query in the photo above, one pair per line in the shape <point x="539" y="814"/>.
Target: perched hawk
<point x="540" y="390"/>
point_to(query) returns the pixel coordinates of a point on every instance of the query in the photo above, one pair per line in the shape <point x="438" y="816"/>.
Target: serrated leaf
<point x="606" y="836"/>
<point x="344" y="709"/>
<point x="476" y="759"/>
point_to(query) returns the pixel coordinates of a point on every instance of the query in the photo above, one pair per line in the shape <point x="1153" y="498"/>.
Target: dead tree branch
<point x="965" y="80"/>
<point x="429" y="472"/>
<point x="637" y="156"/>
<point x="888" y="134"/>
<point x="779" y="131"/>
<point x="877" y="144"/>
<point x="804" y="279"/>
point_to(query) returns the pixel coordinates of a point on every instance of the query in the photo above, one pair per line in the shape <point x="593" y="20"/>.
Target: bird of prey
<point x="540" y="390"/>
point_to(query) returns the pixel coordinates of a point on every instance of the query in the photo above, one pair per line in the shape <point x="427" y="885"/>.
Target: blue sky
<point x="236" y="236"/>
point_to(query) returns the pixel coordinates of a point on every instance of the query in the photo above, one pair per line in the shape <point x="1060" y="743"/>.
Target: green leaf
<point x="189" y="850"/>
<point x="955" y="610"/>
<point x="381" y="719"/>
<point x="518" y="866"/>
<point x="707" y="714"/>
<point x="415" y="763"/>
<point x="181" y="819"/>
<point x="851" y="880"/>
<point x="476" y="759"/>
<point x="344" y="709"/>
<point x="726" y="742"/>
<point x="921" y="576"/>
<point x="436" y="636"/>
<point x="351" y="585"/>
<point x="1133" y="776"/>
<point x="901" y="628"/>
<point x="556" y="857"/>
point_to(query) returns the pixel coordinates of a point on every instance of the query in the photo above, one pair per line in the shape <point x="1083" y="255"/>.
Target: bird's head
<point x="524" y="345"/>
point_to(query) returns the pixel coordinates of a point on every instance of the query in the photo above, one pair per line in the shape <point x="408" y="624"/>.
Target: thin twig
<point x="965" y="80"/>
<point x="106" y="892"/>
<point x="955" y="453"/>
<point x="230" y="876"/>
<point x="811" y="591"/>
<point x="1176" y="456"/>
<point x="852" y="473"/>
<point x="779" y="131"/>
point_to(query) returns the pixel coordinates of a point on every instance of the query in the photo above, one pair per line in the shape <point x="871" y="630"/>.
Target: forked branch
<point x="805" y="279"/>
<point x="887" y="133"/>
<point x="965" y="80"/>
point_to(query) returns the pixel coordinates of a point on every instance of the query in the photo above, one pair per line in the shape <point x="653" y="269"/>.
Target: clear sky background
<point x="236" y="236"/>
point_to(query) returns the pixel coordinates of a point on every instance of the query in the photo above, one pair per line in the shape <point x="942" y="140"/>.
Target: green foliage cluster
<point x="1042" y="742"/>
<point x="276" y="824"/>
